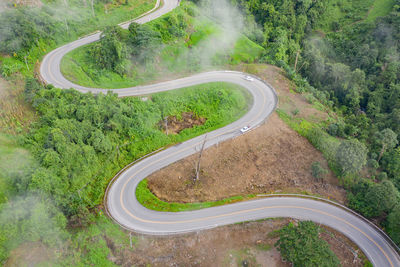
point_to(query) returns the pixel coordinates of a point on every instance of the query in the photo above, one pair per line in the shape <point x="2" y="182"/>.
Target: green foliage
<point x="27" y="34"/>
<point x="30" y="219"/>
<point x="372" y="199"/>
<point x="394" y="224"/>
<point x="302" y="246"/>
<point x="110" y="52"/>
<point x="150" y="201"/>
<point x="318" y="171"/>
<point x="386" y="139"/>
<point x="351" y="156"/>
<point x="20" y="29"/>
<point x="95" y="244"/>
<point x="175" y="44"/>
<point x="380" y="8"/>
<point x="81" y="140"/>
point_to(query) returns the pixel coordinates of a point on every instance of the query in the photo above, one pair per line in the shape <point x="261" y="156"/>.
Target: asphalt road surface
<point x="121" y="201"/>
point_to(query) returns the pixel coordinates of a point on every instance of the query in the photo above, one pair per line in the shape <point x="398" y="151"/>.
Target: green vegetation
<point x="351" y="70"/>
<point x="339" y="13"/>
<point x="81" y="140"/>
<point x="380" y="8"/>
<point x="150" y="201"/>
<point x="29" y="33"/>
<point x="181" y="42"/>
<point x="341" y="54"/>
<point x="318" y="171"/>
<point x="302" y="246"/>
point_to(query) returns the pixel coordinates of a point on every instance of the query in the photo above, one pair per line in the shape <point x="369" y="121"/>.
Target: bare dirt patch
<point x="271" y="158"/>
<point x="174" y="125"/>
<point x="232" y="245"/>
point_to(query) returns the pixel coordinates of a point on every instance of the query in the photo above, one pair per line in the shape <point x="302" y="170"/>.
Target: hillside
<point x="335" y="133"/>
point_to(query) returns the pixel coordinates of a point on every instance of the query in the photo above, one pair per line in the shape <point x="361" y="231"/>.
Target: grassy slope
<point x="380" y="8"/>
<point x="171" y="60"/>
<point x="150" y="201"/>
<point x="346" y="12"/>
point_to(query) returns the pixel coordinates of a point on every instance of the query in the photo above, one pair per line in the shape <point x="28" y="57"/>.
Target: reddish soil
<point x="174" y="125"/>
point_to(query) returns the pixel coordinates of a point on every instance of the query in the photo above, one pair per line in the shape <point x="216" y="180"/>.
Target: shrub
<point x="318" y="171"/>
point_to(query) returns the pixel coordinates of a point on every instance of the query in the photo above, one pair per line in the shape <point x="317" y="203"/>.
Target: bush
<point x="302" y="246"/>
<point x="318" y="171"/>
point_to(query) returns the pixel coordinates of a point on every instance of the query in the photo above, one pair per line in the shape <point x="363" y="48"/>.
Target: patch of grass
<point x="81" y="21"/>
<point x="380" y="8"/>
<point x="264" y="247"/>
<point x="245" y="51"/>
<point x="150" y="201"/>
<point x="340" y="13"/>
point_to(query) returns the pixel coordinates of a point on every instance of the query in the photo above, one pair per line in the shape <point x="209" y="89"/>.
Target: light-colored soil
<point x="271" y="158"/>
<point x="231" y="245"/>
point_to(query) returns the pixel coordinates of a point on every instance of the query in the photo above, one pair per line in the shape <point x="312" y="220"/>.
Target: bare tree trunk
<point x="381" y="153"/>
<point x="66" y="3"/>
<point x="297" y="57"/>
<point x="26" y="62"/>
<point x="199" y="159"/>
<point x="92" y="4"/>
<point x="66" y="25"/>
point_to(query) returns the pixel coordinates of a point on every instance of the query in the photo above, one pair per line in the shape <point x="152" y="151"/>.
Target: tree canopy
<point x="302" y="246"/>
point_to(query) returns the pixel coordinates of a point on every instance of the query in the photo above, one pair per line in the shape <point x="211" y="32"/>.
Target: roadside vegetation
<point x="302" y="246"/>
<point x="29" y="32"/>
<point x="80" y="141"/>
<point x="182" y="42"/>
<point x="342" y="55"/>
<point x="150" y="201"/>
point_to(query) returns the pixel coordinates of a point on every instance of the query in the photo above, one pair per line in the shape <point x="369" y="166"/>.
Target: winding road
<point x="124" y="208"/>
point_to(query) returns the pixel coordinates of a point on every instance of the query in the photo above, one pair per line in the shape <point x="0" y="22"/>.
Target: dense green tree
<point x="30" y="219"/>
<point x="302" y="246"/>
<point x="351" y="156"/>
<point x="372" y="199"/>
<point x="110" y="52"/>
<point x="386" y="139"/>
<point x="22" y="28"/>
<point x="394" y="224"/>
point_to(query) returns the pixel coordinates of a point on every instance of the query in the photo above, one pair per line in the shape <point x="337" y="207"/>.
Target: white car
<point x="245" y="129"/>
<point x="248" y="78"/>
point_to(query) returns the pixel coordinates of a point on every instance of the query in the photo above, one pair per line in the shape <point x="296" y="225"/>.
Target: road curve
<point x="124" y="208"/>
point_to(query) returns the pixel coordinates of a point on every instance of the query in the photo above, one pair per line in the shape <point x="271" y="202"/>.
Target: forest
<point x="354" y="69"/>
<point x="339" y="53"/>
